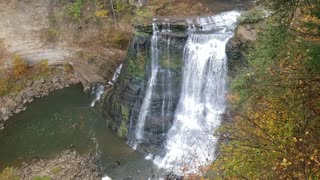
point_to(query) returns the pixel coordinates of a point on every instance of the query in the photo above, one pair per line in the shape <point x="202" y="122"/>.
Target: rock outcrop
<point x="121" y="104"/>
<point x="238" y="46"/>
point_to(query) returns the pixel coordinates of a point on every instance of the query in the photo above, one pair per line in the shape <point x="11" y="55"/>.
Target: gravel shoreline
<point x="68" y="165"/>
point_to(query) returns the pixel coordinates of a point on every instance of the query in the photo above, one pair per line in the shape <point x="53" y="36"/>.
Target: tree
<point x="273" y="131"/>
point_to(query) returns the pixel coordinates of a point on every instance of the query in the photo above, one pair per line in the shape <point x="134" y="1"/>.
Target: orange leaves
<point x="20" y="67"/>
<point x="232" y="98"/>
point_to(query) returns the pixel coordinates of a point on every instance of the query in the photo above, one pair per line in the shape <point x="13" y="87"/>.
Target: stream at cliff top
<point x="64" y="119"/>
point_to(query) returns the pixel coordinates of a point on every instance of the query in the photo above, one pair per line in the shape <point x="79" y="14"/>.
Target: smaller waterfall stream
<point x="166" y="107"/>
<point x="98" y="89"/>
<point x="152" y="81"/>
<point x="115" y="75"/>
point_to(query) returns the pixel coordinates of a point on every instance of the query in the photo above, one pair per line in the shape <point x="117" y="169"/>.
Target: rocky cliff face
<point x="121" y="105"/>
<point x="238" y="46"/>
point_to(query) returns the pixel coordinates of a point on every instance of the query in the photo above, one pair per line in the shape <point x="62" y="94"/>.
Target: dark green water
<point x="63" y="120"/>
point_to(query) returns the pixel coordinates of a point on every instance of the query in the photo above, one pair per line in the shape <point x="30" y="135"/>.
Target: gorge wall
<point x="161" y="101"/>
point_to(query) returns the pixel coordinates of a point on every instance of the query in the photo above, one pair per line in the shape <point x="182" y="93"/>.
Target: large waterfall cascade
<point x="190" y="142"/>
<point x="178" y="102"/>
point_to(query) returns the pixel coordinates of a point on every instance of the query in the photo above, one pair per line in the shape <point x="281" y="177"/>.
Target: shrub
<point x="4" y="86"/>
<point x="51" y="35"/>
<point x="9" y="174"/>
<point x="56" y="169"/>
<point x="20" y="67"/>
<point x="43" y="66"/>
<point x="119" y="36"/>
<point x="143" y="15"/>
<point x="102" y="13"/>
<point x="75" y="10"/>
<point x="253" y="16"/>
<point x="67" y="67"/>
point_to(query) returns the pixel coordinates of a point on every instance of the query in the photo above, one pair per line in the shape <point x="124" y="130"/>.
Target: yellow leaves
<point x="102" y="13"/>
<point x="285" y="163"/>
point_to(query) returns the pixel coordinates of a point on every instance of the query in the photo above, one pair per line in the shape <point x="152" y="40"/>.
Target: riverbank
<point x="68" y="165"/>
<point x="17" y="102"/>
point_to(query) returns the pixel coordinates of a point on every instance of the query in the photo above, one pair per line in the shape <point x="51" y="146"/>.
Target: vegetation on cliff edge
<point x="273" y="131"/>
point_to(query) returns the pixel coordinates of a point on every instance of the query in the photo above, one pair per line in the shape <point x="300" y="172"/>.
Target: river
<point x="65" y="120"/>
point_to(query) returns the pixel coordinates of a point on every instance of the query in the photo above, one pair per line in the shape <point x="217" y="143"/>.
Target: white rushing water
<point x="190" y="142"/>
<point x="115" y="75"/>
<point x="98" y="90"/>
<point x="139" y="133"/>
<point x="166" y="106"/>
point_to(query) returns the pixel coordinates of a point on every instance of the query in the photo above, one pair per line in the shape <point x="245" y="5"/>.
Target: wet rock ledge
<point x="16" y="103"/>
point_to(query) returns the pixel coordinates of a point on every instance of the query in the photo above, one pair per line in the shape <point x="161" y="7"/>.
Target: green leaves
<point x="253" y="16"/>
<point x="75" y="10"/>
<point x="314" y="63"/>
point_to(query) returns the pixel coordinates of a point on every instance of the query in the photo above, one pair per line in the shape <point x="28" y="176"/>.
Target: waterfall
<point x="139" y="133"/>
<point x="115" y="75"/>
<point x="166" y="107"/>
<point x="190" y="142"/>
<point x="98" y="90"/>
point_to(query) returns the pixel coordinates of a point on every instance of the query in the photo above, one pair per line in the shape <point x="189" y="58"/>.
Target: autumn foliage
<point x="19" y="67"/>
<point x="12" y="77"/>
<point x="273" y="131"/>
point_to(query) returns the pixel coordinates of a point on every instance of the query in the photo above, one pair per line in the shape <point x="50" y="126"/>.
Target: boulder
<point x="29" y="92"/>
<point x="1" y="126"/>
<point x="29" y="83"/>
<point x="4" y="111"/>
<point x="30" y="99"/>
<point x="5" y="118"/>
<point x="18" y="100"/>
<point x="42" y="80"/>
<point x="18" y="110"/>
<point x="55" y="79"/>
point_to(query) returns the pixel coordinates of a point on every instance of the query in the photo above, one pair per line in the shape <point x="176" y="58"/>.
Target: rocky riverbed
<point x="68" y="165"/>
<point x="14" y="103"/>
